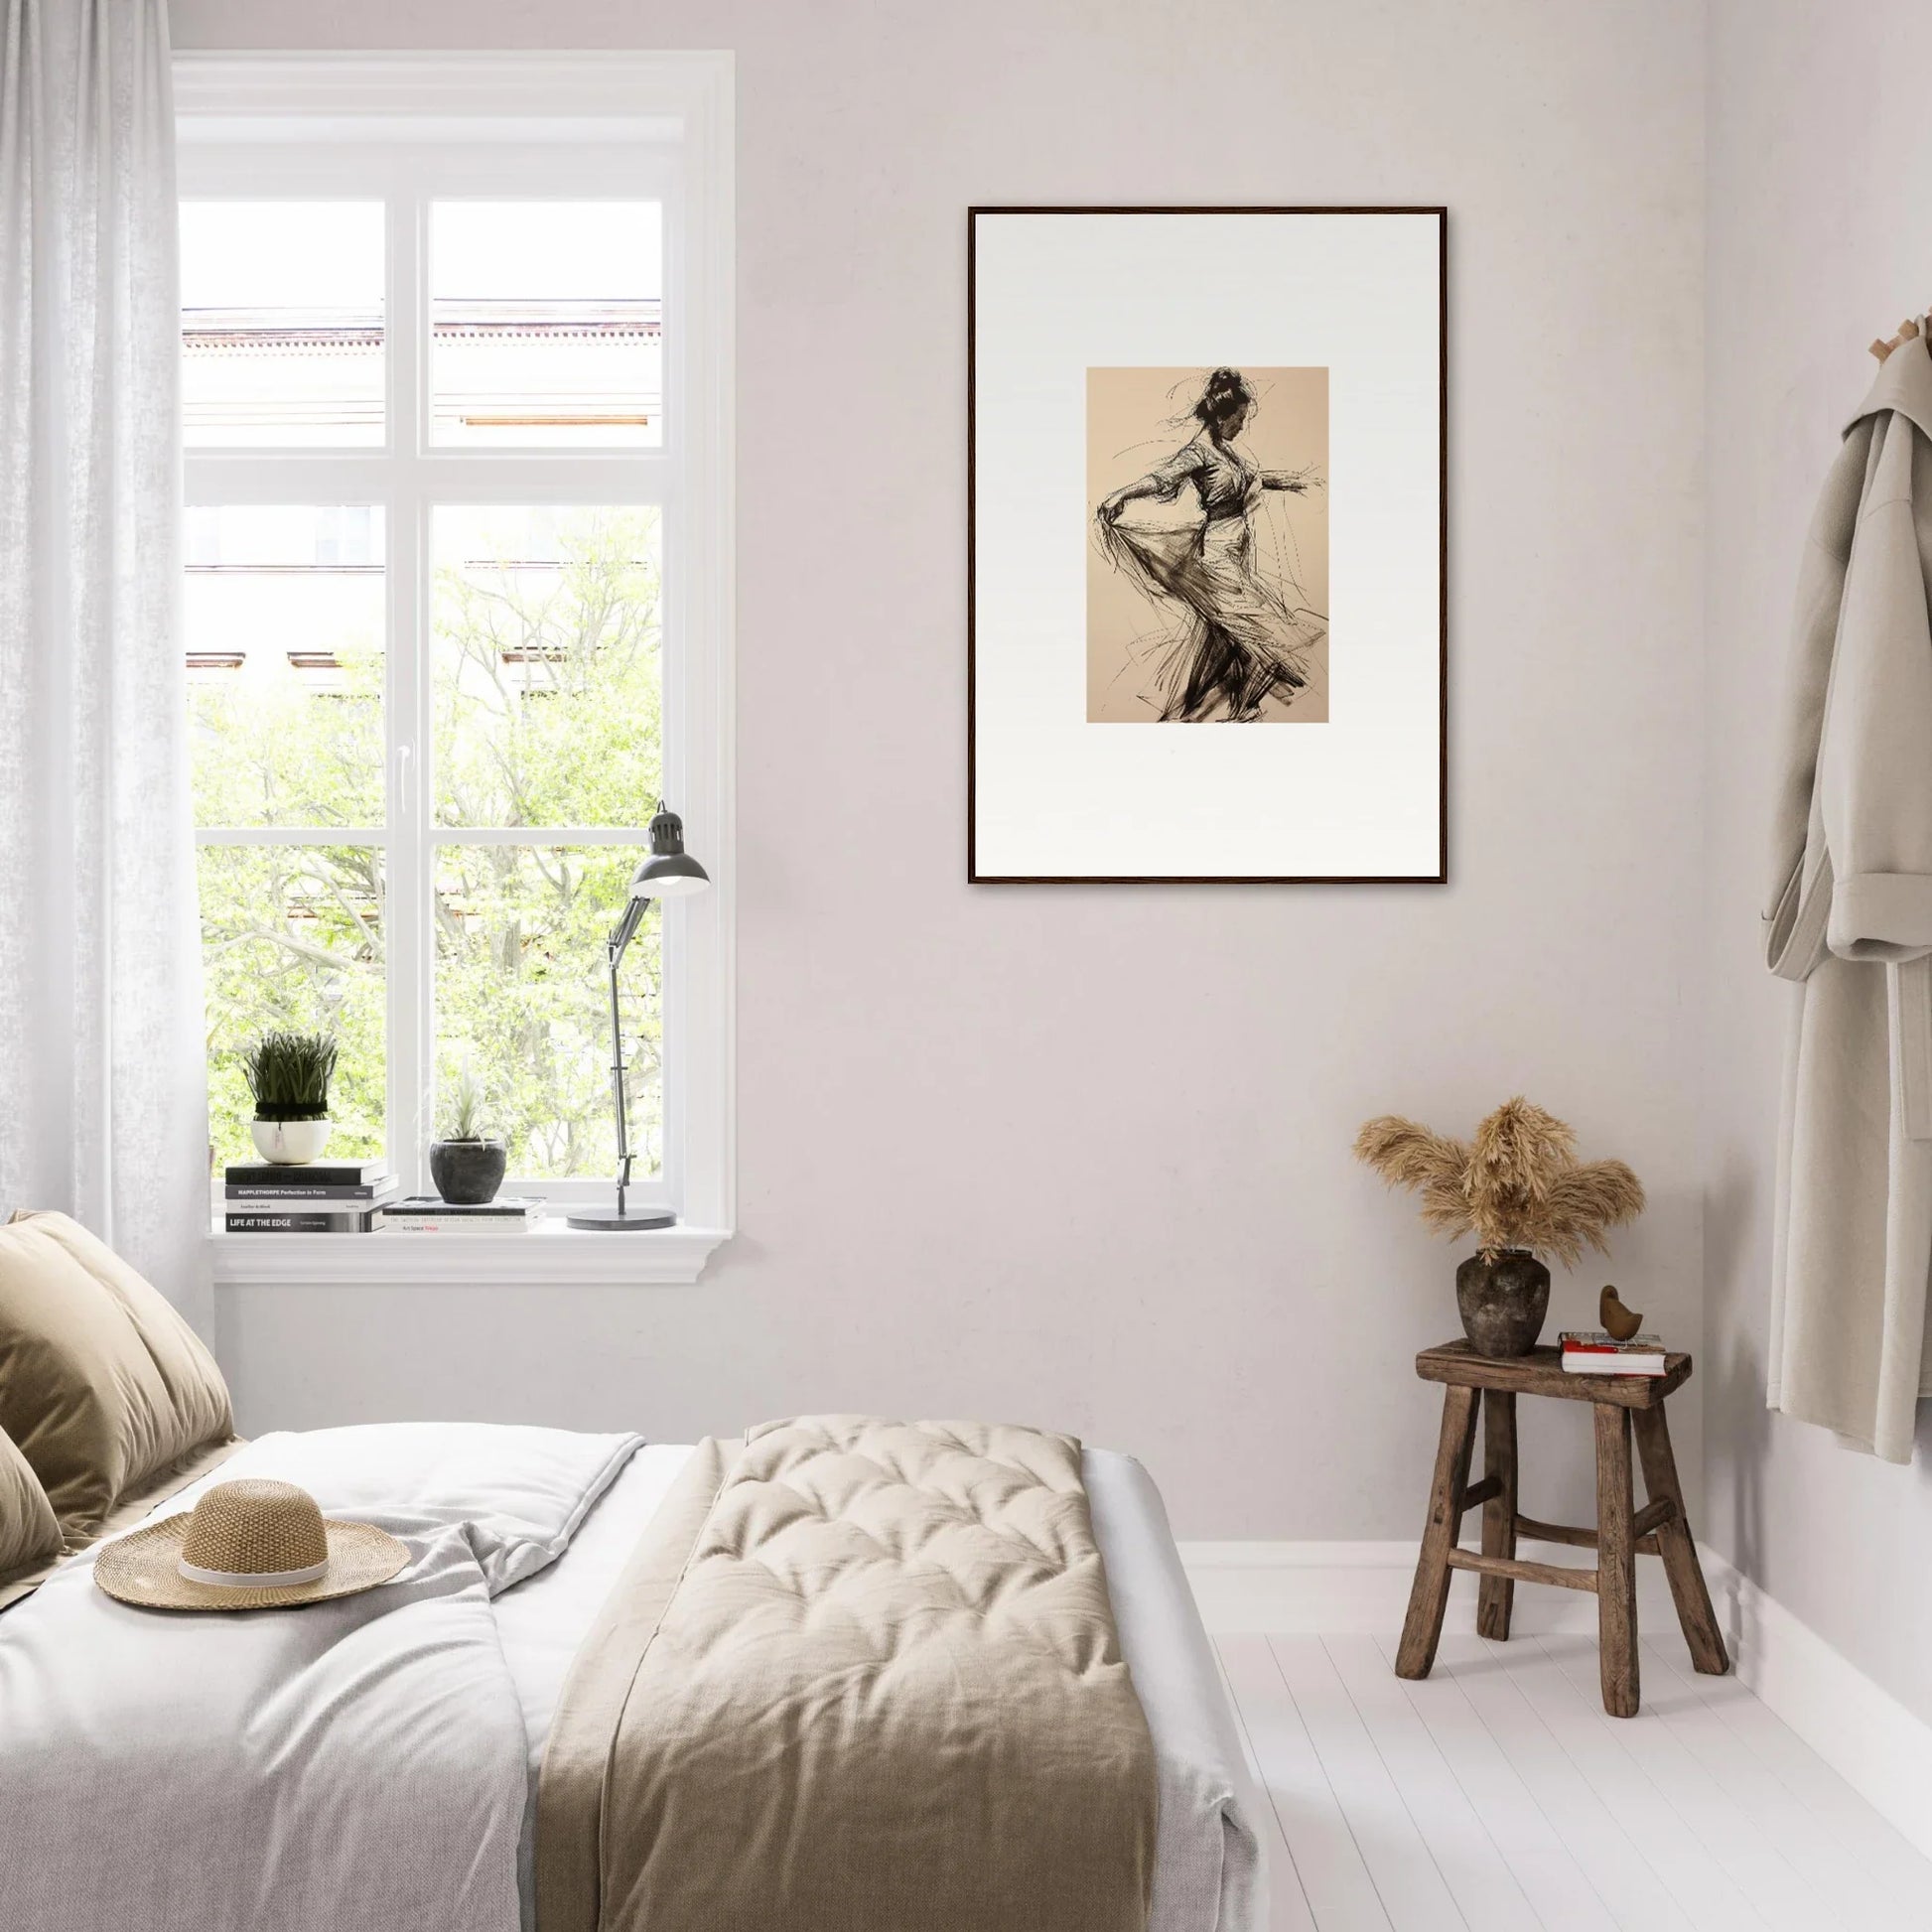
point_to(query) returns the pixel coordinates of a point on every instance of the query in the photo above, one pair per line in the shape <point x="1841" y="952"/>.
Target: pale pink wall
<point x="1080" y="1156"/>
<point x="1820" y="238"/>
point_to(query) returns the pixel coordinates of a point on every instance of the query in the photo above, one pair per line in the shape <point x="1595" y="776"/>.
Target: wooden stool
<point x="1658" y="1529"/>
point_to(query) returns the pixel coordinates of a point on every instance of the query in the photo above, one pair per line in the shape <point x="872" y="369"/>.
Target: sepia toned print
<point x="1208" y="571"/>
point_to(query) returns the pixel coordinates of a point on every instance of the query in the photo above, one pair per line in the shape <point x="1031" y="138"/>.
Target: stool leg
<point x="1422" y="1629"/>
<point x="1616" y="1563"/>
<point x="1497" y="1595"/>
<point x="1678" y="1547"/>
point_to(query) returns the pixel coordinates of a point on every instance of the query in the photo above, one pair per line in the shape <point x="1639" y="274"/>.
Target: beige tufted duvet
<point x="860" y="1676"/>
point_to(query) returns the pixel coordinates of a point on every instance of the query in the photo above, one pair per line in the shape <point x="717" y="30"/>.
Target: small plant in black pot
<point x="468" y="1163"/>
<point x="289" y="1075"/>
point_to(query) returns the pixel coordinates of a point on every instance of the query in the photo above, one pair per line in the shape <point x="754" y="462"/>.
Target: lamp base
<point x="610" y="1220"/>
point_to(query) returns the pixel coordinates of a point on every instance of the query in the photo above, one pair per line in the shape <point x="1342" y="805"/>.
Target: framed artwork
<point x="1207" y="467"/>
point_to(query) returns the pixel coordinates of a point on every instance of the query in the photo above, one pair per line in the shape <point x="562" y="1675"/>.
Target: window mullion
<point x="292" y="835"/>
<point x="637" y="835"/>
<point x="409" y="922"/>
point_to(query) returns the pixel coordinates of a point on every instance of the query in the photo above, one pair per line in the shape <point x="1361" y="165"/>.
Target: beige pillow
<point x="29" y="1534"/>
<point x="102" y="1384"/>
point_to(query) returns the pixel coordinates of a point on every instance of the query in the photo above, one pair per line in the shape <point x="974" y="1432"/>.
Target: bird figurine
<point x="1620" y="1323"/>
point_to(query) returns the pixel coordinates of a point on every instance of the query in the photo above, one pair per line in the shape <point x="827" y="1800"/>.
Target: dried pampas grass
<point x="1432" y="1165"/>
<point x="1517" y="1184"/>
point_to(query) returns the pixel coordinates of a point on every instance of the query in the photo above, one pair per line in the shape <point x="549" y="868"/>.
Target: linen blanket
<point x="348" y="1766"/>
<point x="860" y="1677"/>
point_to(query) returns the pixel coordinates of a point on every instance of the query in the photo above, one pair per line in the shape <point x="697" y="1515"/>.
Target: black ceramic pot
<point x="468" y="1173"/>
<point x="1503" y="1300"/>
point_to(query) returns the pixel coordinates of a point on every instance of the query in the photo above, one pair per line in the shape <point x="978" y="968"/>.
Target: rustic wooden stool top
<point x="1619" y="1403"/>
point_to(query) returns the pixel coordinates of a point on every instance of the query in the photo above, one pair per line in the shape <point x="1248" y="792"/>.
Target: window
<point x="456" y="342"/>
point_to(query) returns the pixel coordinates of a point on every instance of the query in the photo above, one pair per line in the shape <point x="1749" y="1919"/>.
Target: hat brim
<point x="144" y="1570"/>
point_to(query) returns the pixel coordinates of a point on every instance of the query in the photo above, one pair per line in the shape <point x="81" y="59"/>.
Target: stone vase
<point x="468" y="1173"/>
<point x="1503" y="1299"/>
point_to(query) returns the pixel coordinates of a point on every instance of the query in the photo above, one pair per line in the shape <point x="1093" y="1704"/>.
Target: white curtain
<point x="102" y="1083"/>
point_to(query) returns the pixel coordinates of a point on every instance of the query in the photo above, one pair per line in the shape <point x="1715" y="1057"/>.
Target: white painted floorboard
<point x="1498" y="1796"/>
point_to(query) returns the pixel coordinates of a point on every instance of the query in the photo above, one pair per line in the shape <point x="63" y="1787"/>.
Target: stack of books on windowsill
<point x="426" y="1214"/>
<point x="1593" y="1351"/>
<point x="322" y="1198"/>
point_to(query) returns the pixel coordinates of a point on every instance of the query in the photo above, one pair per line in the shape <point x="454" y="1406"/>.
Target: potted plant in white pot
<point x="468" y="1163"/>
<point x="289" y="1075"/>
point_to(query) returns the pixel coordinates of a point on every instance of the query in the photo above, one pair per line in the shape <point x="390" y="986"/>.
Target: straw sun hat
<point x="249" y="1545"/>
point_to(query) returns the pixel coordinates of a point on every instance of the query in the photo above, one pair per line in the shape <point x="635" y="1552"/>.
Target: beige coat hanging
<point x="1851" y="918"/>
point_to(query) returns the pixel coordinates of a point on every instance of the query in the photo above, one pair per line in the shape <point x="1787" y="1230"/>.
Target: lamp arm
<point x="626" y="928"/>
<point x="615" y="946"/>
<point x="613" y="954"/>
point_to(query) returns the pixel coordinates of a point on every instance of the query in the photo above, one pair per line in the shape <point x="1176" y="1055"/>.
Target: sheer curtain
<point x="102" y="1083"/>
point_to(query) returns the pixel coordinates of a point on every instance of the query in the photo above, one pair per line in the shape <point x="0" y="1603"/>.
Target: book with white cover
<point x="426" y="1214"/>
<point x="1593" y="1351"/>
<point x="1599" y="1341"/>
<point x="472" y="1224"/>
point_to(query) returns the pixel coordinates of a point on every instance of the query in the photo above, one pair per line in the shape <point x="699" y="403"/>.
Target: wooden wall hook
<point x="1909" y="331"/>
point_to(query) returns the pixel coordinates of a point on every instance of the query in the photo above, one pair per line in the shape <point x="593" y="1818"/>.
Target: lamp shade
<point x="669" y="871"/>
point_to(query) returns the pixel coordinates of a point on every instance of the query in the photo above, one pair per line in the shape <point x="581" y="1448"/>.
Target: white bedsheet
<point x="1208" y="1874"/>
<point x="353" y="1765"/>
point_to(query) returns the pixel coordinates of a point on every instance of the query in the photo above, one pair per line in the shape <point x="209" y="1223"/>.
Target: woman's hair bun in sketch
<point x="1227" y="391"/>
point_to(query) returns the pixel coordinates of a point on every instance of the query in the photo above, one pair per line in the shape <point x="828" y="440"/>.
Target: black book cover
<point x="300" y="1221"/>
<point x="316" y="1173"/>
<point x="428" y="1206"/>
<point x="283" y="1193"/>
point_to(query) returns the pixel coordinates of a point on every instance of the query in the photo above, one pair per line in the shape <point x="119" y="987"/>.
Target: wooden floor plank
<point x="1496" y="1794"/>
<point x="1857" y="1894"/>
<point x="1240" y="1721"/>
<point x="1288" y="1904"/>
<point x="1412" y="1891"/>
<point x="1485" y="1890"/>
<point x="1559" y="1890"/>
<point x="1864" y="1833"/>
<point x="1333" y="1878"/>
<point x="1777" y="1890"/>
<point x="1615" y="1863"/>
<point x="1694" y="1878"/>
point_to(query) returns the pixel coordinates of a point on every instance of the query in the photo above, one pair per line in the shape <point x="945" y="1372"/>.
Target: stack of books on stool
<point x="426" y="1214"/>
<point x="1594" y="1352"/>
<point x="322" y="1198"/>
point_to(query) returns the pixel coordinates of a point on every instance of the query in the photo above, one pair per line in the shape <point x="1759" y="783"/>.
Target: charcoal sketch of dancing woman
<point x="1243" y="639"/>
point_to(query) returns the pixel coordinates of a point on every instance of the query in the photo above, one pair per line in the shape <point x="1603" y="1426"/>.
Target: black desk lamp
<point x="669" y="872"/>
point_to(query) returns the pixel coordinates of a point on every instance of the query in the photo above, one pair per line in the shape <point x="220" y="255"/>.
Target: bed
<point x="556" y="1579"/>
<point x="842" y="1674"/>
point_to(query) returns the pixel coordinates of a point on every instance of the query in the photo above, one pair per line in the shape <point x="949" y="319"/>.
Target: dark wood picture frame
<point x="974" y="876"/>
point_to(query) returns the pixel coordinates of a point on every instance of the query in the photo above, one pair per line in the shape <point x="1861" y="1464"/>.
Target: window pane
<point x="292" y="937"/>
<point x="281" y="322"/>
<point x="522" y="1001"/>
<point x="548" y="685"/>
<point x="284" y="612"/>
<point x="546" y="323"/>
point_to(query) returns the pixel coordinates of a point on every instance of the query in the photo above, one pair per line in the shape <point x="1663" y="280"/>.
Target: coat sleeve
<point x="1875" y="768"/>
<point x="1798" y="900"/>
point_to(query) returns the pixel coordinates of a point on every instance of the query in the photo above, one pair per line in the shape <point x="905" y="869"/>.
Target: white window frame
<point x="406" y="129"/>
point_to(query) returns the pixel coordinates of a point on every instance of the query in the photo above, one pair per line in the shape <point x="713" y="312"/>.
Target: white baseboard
<point x="1362" y="1588"/>
<point x="1878" y="1746"/>
<point x="1872" y="1740"/>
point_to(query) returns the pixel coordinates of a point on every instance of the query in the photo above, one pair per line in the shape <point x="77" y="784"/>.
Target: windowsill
<point x="549" y="1252"/>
